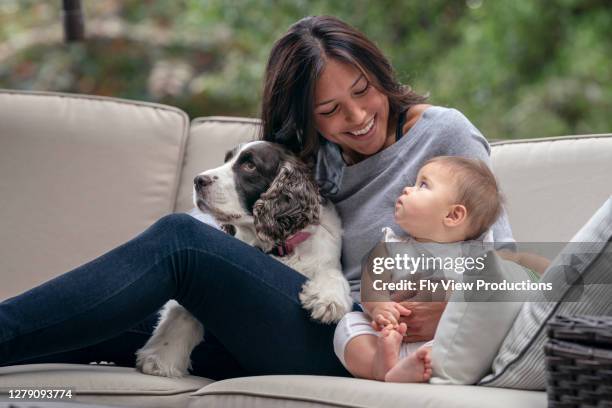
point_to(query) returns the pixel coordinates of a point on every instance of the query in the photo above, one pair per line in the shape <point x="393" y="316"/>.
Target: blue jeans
<point x="105" y="310"/>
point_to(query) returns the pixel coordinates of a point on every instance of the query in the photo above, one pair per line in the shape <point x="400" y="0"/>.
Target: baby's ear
<point x="456" y="216"/>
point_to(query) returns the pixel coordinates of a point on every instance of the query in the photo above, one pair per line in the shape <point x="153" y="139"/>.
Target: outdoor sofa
<point x="82" y="174"/>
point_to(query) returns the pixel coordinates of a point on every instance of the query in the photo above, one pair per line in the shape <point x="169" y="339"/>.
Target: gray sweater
<point x="369" y="189"/>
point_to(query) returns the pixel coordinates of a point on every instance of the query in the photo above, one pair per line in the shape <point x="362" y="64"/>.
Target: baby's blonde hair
<point x="476" y="189"/>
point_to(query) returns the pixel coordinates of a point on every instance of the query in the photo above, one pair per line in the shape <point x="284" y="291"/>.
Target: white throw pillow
<point x="470" y="332"/>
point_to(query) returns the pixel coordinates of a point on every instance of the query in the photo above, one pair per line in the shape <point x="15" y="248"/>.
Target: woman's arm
<point x="370" y="296"/>
<point x="422" y="321"/>
<point x="534" y="262"/>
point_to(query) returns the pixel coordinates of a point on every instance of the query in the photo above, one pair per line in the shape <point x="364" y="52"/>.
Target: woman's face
<point x="350" y="111"/>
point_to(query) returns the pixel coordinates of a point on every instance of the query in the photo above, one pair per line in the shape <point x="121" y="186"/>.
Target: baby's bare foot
<point x="414" y="368"/>
<point x="387" y="352"/>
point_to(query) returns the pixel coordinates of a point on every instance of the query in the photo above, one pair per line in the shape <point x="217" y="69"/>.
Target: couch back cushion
<point x="553" y="185"/>
<point x="209" y="139"/>
<point x="80" y="175"/>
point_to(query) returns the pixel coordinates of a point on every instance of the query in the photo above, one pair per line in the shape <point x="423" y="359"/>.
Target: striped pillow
<point x="520" y="360"/>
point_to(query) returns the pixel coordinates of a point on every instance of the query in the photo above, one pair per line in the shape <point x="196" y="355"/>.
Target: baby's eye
<point x="423" y="184"/>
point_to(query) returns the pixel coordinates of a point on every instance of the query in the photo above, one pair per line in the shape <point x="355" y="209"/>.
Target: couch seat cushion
<point x="100" y="384"/>
<point x="319" y="391"/>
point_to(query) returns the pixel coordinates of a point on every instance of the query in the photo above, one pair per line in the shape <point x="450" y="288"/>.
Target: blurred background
<point x="517" y="69"/>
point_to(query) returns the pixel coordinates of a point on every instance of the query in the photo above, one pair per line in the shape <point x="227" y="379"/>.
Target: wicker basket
<point x="579" y="361"/>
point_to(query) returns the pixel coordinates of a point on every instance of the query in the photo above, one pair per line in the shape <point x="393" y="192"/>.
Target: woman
<point x="331" y="97"/>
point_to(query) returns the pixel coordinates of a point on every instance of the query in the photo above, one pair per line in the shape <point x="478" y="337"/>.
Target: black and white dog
<point x="266" y="197"/>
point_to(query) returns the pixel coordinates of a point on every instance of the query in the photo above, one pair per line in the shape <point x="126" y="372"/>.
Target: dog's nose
<point x="202" y="181"/>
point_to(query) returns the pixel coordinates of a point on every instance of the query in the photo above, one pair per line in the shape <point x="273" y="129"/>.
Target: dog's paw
<point x="326" y="304"/>
<point x="162" y="361"/>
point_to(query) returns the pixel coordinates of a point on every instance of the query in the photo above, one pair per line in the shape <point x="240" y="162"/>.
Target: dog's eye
<point x="248" y="166"/>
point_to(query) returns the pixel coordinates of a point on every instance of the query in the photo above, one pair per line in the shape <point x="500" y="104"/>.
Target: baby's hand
<point x="387" y="314"/>
<point x="383" y="321"/>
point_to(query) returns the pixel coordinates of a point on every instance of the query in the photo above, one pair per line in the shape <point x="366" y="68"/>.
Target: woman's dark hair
<point x="296" y="61"/>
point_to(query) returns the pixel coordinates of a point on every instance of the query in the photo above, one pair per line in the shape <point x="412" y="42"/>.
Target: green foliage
<point x="522" y="68"/>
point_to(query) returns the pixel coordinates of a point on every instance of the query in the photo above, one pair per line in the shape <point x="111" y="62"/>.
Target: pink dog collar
<point x="288" y="246"/>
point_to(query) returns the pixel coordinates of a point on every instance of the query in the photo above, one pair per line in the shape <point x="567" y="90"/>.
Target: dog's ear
<point x="291" y="203"/>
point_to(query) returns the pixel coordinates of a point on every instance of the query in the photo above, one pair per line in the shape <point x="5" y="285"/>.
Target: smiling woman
<point x="331" y="96"/>
<point x="351" y="111"/>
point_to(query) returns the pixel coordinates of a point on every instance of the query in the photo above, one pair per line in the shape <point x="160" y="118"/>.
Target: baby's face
<point x="421" y="209"/>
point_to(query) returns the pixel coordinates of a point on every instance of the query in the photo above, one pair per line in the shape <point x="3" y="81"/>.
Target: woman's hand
<point x="422" y="320"/>
<point x="385" y="314"/>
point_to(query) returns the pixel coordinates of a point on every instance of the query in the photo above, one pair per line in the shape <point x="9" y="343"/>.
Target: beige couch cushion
<point x="110" y="385"/>
<point x="209" y="139"/>
<point x="553" y="185"/>
<point x="80" y="175"/>
<point x="318" y="391"/>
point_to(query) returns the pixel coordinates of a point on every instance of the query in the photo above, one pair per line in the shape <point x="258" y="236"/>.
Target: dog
<point x="265" y="196"/>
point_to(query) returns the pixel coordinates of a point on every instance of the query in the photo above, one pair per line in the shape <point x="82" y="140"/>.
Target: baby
<point x="454" y="199"/>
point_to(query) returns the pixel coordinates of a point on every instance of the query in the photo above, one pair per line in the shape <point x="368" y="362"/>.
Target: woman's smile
<point x="366" y="131"/>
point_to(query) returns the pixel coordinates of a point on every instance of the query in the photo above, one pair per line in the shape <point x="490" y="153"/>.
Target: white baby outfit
<point x="355" y="324"/>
